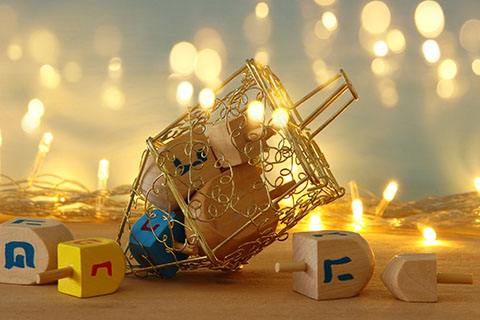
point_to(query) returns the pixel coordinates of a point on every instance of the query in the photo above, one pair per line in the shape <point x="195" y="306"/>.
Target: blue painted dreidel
<point x="29" y="246"/>
<point x="329" y="264"/>
<point x="87" y="268"/>
<point x="158" y="240"/>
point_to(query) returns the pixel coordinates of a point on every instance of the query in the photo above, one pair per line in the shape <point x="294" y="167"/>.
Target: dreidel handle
<point x="54" y="275"/>
<point x="290" y="266"/>
<point x="460" y="278"/>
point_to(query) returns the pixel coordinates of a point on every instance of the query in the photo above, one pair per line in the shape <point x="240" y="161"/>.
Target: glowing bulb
<point x="207" y="98"/>
<point x="115" y="64"/>
<point x="183" y="58"/>
<point x="36" y="108"/>
<point x="429" y="234"/>
<point x="445" y="88"/>
<point x="102" y="174"/>
<point x="379" y="66"/>
<point x="184" y="92"/>
<point x="315" y="223"/>
<point x="262" y="56"/>
<point x="30" y="123"/>
<point x="43" y="148"/>
<point x="49" y="76"/>
<point x="261" y="10"/>
<point x="256" y="110"/>
<point x="431" y="51"/>
<point x="469" y="36"/>
<point x="280" y="117"/>
<point x="447" y="69"/>
<point x="14" y="52"/>
<point x="376" y="17"/>
<point x="209" y="65"/>
<point x="357" y="207"/>
<point x="476" y="182"/>
<point x="380" y="48"/>
<point x="390" y="191"/>
<point x="429" y="19"/>
<point x="1" y="139"/>
<point x="46" y="142"/>
<point x="396" y="40"/>
<point x="329" y="20"/>
<point x="476" y="66"/>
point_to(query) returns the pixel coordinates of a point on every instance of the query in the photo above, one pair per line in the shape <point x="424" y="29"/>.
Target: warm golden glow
<point x="329" y="21"/>
<point x="470" y="36"/>
<point x="262" y="56"/>
<point x="29" y="123"/>
<point x="476" y="182"/>
<point x="36" y="108"/>
<point x="380" y="48"/>
<point x="44" y="46"/>
<point x="46" y="142"/>
<point x="390" y="191"/>
<point x="14" y="52"/>
<point x="256" y="110"/>
<point x="183" y="58"/>
<point x="209" y="65"/>
<point x="49" y="76"/>
<point x="315" y="223"/>
<point x="396" y="40"/>
<point x="325" y="3"/>
<point x="357" y="207"/>
<point x="113" y="97"/>
<point x="445" y="88"/>
<point x="115" y="64"/>
<point x="102" y="174"/>
<point x="261" y="10"/>
<point x="429" y="19"/>
<point x="429" y="234"/>
<point x="207" y="99"/>
<point x="431" y="51"/>
<point x="1" y="139"/>
<point x="380" y="66"/>
<point x="184" y="92"/>
<point x="476" y="66"/>
<point x="375" y="17"/>
<point x="320" y="31"/>
<point x="72" y="72"/>
<point x="209" y="38"/>
<point x="280" y="117"/>
<point x="447" y="69"/>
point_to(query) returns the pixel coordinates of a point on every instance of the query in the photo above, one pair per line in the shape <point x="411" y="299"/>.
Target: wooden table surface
<point x="256" y="292"/>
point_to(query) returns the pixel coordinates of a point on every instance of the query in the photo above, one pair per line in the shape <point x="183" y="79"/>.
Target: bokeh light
<point x="325" y="3"/>
<point x="184" y="92"/>
<point x="320" y="31"/>
<point x="49" y="76"/>
<point x="390" y="191"/>
<point x="29" y="123"/>
<point x="476" y="182"/>
<point x="183" y="58"/>
<point x="209" y="65"/>
<point x="113" y="97"/>
<point x="470" y="36"/>
<point x="209" y="38"/>
<point x="207" y="99"/>
<point x="429" y="19"/>
<point x="388" y="93"/>
<point x="115" y="64"/>
<point x="376" y="17"/>
<point x="357" y="207"/>
<point x="315" y="223"/>
<point x="256" y="110"/>
<point x="257" y="31"/>
<point x="14" y="52"/>
<point x="36" y="108"/>
<point x="380" y="48"/>
<point x="396" y="40"/>
<point x="43" y="46"/>
<point x="262" y="56"/>
<point x="380" y="66"/>
<point x="108" y="40"/>
<point x="431" y="51"/>
<point x="447" y="69"/>
<point x="329" y="21"/>
<point x="446" y="88"/>
<point x="476" y="66"/>
<point x="261" y="10"/>
<point x="72" y="72"/>
<point x="280" y="117"/>
<point x="429" y="234"/>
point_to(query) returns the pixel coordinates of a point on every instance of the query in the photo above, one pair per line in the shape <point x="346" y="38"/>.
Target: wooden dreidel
<point x="238" y="140"/>
<point x="413" y="277"/>
<point x="87" y="267"/>
<point x="227" y="203"/>
<point x="29" y="246"/>
<point x="189" y="162"/>
<point x="329" y="264"/>
<point x="155" y="241"/>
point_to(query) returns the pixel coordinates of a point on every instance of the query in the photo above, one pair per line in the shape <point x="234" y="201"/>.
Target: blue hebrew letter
<point x="184" y="168"/>
<point x="28" y="222"/>
<point x="328" y="234"/>
<point x="327" y="267"/>
<point x="19" y="261"/>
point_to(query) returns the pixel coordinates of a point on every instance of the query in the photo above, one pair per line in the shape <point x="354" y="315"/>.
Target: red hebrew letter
<point x="107" y="265"/>
<point x="146" y="226"/>
<point x="87" y="241"/>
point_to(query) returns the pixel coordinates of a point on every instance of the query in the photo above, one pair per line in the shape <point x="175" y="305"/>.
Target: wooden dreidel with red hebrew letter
<point x="29" y="246"/>
<point x="87" y="267"/>
<point x="188" y="160"/>
<point x="238" y="140"/>
<point x="413" y="277"/>
<point x="155" y="240"/>
<point x="233" y="210"/>
<point x="329" y="264"/>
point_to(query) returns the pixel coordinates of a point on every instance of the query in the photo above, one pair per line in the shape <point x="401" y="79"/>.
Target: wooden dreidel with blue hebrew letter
<point x="329" y="264"/>
<point x="87" y="267"/>
<point x="155" y="240"/>
<point x="29" y="246"/>
<point x="413" y="277"/>
<point x="238" y="139"/>
<point x="188" y="160"/>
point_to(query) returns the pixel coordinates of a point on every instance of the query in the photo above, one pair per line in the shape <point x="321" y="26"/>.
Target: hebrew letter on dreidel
<point x="146" y="226"/>
<point x="327" y="269"/>
<point x="185" y="168"/>
<point x="28" y="222"/>
<point x="19" y="261"/>
<point x="107" y="265"/>
<point x="86" y="241"/>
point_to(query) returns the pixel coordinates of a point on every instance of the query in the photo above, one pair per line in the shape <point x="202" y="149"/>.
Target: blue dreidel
<point x="148" y="250"/>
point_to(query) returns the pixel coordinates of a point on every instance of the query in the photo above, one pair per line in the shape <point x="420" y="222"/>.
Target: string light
<point x="102" y="176"/>
<point x="396" y="40"/>
<point x="261" y="10"/>
<point x="431" y="51"/>
<point x="476" y="182"/>
<point x="183" y="58"/>
<point x="43" y="148"/>
<point x="388" y="195"/>
<point x="49" y="76"/>
<point x="256" y="110"/>
<point x="280" y="117"/>
<point x="329" y="21"/>
<point x="476" y="66"/>
<point x="447" y="69"/>
<point x="429" y="19"/>
<point x="380" y="48"/>
<point x="36" y="108"/>
<point x="207" y="99"/>
<point x="315" y="223"/>
<point x="375" y="17"/>
<point x="184" y="92"/>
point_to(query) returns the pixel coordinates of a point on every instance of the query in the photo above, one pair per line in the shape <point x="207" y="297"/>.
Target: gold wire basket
<point x="223" y="182"/>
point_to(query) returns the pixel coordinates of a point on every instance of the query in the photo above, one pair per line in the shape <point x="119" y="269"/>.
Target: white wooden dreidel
<point x="238" y="140"/>
<point x="190" y="163"/>
<point x="413" y="277"/>
<point x="233" y="210"/>
<point x="329" y="264"/>
<point x="158" y="240"/>
<point x="87" y="267"/>
<point x="28" y="246"/>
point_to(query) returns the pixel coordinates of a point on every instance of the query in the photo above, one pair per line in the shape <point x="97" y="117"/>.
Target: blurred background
<point x="102" y="76"/>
